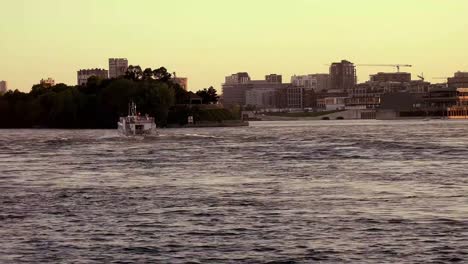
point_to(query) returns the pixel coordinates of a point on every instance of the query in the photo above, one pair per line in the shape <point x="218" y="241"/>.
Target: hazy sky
<point x="206" y="40"/>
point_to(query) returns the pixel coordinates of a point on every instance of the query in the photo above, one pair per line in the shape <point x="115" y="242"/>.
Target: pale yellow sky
<point x="206" y="40"/>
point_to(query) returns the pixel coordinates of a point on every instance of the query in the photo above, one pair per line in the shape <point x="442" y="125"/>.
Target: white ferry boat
<point x="136" y="125"/>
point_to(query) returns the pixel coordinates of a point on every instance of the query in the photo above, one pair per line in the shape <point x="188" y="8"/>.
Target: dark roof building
<point x="342" y="75"/>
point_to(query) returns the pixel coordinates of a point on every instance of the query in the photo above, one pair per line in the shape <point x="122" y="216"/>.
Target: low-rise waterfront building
<point x="460" y="110"/>
<point x="84" y="75"/>
<point x="459" y="80"/>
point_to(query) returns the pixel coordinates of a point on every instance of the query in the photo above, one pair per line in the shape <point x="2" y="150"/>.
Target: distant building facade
<point x="3" y="87"/>
<point x="235" y="88"/>
<point x="261" y="98"/>
<point x="117" y="67"/>
<point x="274" y="78"/>
<point x="342" y="76"/>
<point x="84" y="75"/>
<point x="316" y="82"/>
<point x="391" y="77"/>
<point x="295" y="97"/>
<point x="459" y="80"/>
<point x="49" y="82"/>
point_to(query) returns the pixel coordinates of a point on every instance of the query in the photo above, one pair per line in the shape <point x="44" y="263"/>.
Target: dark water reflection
<point x="320" y="192"/>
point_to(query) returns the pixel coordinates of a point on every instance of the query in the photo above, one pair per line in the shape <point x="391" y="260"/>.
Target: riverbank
<point x="225" y="123"/>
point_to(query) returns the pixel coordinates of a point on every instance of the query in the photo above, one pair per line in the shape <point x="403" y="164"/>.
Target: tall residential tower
<point x="342" y="76"/>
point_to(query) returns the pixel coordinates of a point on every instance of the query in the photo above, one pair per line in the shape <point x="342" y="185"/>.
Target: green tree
<point x="209" y="96"/>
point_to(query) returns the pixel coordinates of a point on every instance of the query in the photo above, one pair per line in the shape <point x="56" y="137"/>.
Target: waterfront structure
<point x="342" y="76"/>
<point x="439" y="99"/>
<point x="49" y="82"/>
<point x="419" y="87"/>
<point x="400" y="105"/>
<point x="117" y="67"/>
<point x="316" y="82"/>
<point x="401" y="77"/>
<point x="460" y="110"/>
<point x="459" y="80"/>
<point x="3" y="87"/>
<point x="84" y="75"/>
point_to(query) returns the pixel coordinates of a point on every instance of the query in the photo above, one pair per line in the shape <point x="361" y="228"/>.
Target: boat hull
<point x="146" y="129"/>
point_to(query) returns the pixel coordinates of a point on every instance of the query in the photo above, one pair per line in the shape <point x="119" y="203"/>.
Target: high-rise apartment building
<point x="117" y="67"/>
<point x="3" y="87"/>
<point x="84" y="75"/>
<point x="343" y="75"/>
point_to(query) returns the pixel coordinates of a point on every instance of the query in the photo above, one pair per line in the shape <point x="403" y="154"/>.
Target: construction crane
<point x="421" y="77"/>
<point x="397" y="66"/>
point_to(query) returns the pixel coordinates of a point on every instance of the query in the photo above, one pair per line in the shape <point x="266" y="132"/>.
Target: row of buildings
<point x="339" y="90"/>
<point x="117" y="68"/>
<point x="300" y="92"/>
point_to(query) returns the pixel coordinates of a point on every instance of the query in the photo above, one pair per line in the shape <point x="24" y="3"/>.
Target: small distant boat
<point x="136" y="125"/>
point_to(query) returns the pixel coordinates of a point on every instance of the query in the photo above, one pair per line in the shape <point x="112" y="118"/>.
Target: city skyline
<point x="206" y="40"/>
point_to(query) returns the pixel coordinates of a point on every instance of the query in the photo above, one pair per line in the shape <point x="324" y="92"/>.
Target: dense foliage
<point x="99" y="104"/>
<point x="209" y="96"/>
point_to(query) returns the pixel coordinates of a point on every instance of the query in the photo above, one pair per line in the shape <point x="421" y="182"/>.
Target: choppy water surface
<point x="284" y="192"/>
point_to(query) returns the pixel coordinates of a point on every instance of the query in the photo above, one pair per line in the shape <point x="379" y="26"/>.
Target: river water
<point x="275" y="192"/>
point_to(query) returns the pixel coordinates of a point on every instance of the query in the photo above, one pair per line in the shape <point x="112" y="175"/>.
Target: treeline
<point x="99" y="104"/>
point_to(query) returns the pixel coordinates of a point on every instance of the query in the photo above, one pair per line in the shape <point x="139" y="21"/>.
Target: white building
<point x="316" y="82"/>
<point x="3" y="87"/>
<point x="334" y="103"/>
<point x="117" y="67"/>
